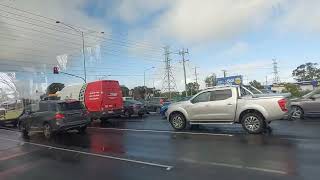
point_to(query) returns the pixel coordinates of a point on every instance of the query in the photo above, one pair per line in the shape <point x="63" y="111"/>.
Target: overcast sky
<point x="240" y="36"/>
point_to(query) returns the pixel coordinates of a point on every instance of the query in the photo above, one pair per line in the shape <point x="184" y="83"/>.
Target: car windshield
<point x="66" y="106"/>
<point x="159" y="89"/>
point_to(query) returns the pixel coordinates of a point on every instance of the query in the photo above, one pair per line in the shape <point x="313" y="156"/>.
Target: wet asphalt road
<point x="148" y="148"/>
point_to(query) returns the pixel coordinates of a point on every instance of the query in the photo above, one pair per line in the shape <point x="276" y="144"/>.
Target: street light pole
<point x="84" y="59"/>
<point x="83" y="46"/>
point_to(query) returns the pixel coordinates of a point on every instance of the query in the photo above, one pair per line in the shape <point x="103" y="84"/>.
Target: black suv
<point x="54" y="116"/>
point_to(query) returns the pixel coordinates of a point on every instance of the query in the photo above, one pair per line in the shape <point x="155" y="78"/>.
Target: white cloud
<point x="131" y="11"/>
<point x="298" y="16"/>
<point x="209" y="20"/>
<point x="238" y="48"/>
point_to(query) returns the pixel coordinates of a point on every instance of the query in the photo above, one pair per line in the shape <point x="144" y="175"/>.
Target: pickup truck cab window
<point x="219" y="95"/>
<point x="203" y="97"/>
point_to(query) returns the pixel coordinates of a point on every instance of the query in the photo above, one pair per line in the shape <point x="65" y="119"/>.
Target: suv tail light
<point x="59" y="116"/>
<point x="283" y="105"/>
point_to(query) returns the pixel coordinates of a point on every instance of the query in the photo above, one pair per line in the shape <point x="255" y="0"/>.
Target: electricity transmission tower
<point x="169" y="83"/>
<point x="276" y="78"/>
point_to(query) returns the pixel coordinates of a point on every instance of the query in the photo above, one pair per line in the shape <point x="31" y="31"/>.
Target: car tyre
<point x="127" y="114"/>
<point x="253" y="123"/>
<point x="22" y="127"/>
<point x="178" y="121"/>
<point x="296" y="113"/>
<point x="47" y="131"/>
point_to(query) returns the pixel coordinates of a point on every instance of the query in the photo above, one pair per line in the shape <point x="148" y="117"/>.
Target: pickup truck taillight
<point x="283" y="105"/>
<point x="59" y="116"/>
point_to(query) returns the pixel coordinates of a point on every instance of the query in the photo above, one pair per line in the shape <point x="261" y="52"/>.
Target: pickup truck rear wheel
<point x="253" y="123"/>
<point x="178" y="121"/>
<point x="296" y="113"/>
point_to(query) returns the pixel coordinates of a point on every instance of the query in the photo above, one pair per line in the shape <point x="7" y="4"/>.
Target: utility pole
<point x="224" y="73"/>
<point x="266" y="81"/>
<point x="276" y="78"/>
<point x="182" y="53"/>
<point x="196" y="74"/>
<point x="84" y="58"/>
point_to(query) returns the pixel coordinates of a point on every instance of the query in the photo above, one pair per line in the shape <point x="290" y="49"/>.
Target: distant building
<point x="304" y="86"/>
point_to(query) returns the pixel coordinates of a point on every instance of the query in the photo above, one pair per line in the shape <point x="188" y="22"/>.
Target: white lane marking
<point x="167" y="167"/>
<point x="9" y="129"/>
<point x="237" y="166"/>
<point x="160" y="131"/>
<point x="266" y="170"/>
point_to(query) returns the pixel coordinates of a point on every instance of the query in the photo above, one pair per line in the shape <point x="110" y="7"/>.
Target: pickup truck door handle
<point x="229" y="104"/>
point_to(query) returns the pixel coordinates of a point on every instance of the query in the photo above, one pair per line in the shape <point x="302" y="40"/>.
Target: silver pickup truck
<point x="228" y="105"/>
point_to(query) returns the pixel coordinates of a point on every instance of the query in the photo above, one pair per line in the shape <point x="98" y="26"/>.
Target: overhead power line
<point x="141" y="43"/>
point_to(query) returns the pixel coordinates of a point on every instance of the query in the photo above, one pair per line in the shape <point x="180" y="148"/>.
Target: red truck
<point x="103" y="99"/>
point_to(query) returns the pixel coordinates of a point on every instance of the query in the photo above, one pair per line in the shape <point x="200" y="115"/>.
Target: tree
<point x="192" y="88"/>
<point x="293" y="89"/>
<point x="125" y="91"/>
<point x="211" y="80"/>
<point x="174" y="95"/>
<point x="54" y="87"/>
<point x="256" y="84"/>
<point x="306" y="72"/>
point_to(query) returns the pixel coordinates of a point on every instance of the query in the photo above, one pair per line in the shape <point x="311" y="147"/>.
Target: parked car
<point x="307" y="105"/>
<point x="54" y="116"/>
<point x="166" y="104"/>
<point x="154" y="104"/>
<point x="127" y="98"/>
<point x="231" y="104"/>
<point x="132" y="107"/>
<point x="103" y="99"/>
<point x="164" y="108"/>
<point x="2" y="113"/>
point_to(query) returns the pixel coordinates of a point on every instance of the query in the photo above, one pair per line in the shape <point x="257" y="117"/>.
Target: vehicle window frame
<point x="213" y="96"/>
<point x="192" y="100"/>
<point x="59" y="106"/>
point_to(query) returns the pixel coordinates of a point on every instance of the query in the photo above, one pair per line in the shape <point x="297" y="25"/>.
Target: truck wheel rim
<point x="177" y="122"/>
<point x="252" y="123"/>
<point x="296" y="114"/>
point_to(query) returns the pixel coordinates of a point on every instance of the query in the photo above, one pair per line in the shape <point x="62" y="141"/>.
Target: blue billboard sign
<point x="231" y="80"/>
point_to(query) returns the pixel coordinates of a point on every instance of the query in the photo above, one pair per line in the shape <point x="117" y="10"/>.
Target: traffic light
<point x="56" y="70"/>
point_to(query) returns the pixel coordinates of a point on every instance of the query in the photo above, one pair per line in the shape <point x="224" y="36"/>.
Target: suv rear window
<point x="66" y="106"/>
